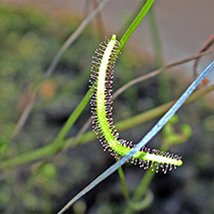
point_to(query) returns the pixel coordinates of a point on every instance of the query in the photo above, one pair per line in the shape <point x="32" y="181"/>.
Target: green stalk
<point x="143" y="186"/>
<point x="123" y="183"/>
<point x="145" y="9"/>
<point x="159" y="58"/>
<point x="59" y="140"/>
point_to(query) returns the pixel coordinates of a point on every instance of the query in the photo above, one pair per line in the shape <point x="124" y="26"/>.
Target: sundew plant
<point x="101" y="105"/>
<point x="38" y="167"/>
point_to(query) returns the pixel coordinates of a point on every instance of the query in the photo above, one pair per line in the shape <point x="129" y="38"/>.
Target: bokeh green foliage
<point x="29" y="41"/>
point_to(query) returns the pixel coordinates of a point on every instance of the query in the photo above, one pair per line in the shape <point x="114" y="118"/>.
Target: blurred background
<point x="32" y="32"/>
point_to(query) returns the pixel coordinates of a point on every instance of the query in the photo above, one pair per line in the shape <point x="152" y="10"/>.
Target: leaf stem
<point x="59" y="140"/>
<point x="145" y="9"/>
<point x="123" y="183"/>
<point x="163" y="89"/>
